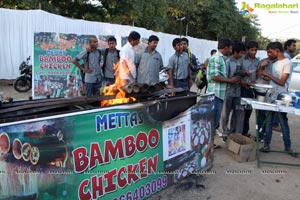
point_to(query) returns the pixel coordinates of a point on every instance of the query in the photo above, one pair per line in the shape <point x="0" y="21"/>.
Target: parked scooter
<point x="24" y="82"/>
<point x="164" y="76"/>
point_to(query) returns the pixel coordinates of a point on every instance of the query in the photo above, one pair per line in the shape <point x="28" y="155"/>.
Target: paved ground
<point x="270" y="182"/>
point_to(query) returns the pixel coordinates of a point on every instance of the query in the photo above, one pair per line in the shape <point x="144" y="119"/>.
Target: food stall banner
<point x="54" y="74"/>
<point x="107" y="153"/>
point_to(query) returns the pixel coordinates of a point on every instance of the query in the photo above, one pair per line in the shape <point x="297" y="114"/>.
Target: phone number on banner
<point x="145" y="190"/>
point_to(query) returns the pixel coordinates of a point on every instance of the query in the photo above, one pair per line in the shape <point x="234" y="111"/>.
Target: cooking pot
<point x="262" y="92"/>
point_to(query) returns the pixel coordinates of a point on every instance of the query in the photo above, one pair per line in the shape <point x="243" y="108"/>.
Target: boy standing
<point x="279" y="79"/>
<point x="92" y="67"/>
<point x="179" y="70"/>
<point x="150" y="63"/>
<point x="111" y="57"/>
<point x="232" y="102"/>
<point x="128" y="59"/>
<point x="250" y="66"/>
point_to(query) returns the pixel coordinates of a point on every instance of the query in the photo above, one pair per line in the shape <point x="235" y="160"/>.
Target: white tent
<point x="18" y="27"/>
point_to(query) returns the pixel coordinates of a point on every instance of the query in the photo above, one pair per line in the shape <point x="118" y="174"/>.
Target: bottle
<point x="101" y="61"/>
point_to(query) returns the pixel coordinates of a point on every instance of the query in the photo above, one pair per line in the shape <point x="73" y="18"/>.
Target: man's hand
<point x="235" y="79"/>
<point x="264" y="63"/>
<point x="88" y="71"/>
<point x="88" y="49"/>
<point x="244" y="84"/>
<point x="190" y="82"/>
<point x="265" y="74"/>
<point x="131" y="80"/>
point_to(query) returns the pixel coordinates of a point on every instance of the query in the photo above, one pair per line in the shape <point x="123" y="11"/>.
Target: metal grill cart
<point x="78" y="148"/>
<point x="269" y="107"/>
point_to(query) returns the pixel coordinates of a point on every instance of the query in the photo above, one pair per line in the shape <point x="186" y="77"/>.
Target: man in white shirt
<point x="128" y="59"/>
<point x="279" y="79"/>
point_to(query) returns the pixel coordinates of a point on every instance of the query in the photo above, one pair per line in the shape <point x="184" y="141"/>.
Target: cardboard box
<point x="241" y="148"/>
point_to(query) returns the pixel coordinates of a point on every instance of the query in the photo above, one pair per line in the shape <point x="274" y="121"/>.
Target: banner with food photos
<point x="109" y="153"/>
<point x="189" y="152"/>
<point x="54" y="74"/>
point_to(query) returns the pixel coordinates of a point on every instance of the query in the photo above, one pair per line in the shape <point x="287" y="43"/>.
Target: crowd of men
<point x="230" y="73"/>
<point x="143" y="67"/>
<point x="233" y="70"/>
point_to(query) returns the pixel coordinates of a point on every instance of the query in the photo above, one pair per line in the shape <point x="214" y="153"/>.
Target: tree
<point x="198" y="18"/>
<point x="142" y="13"/>
<point x="209" y="19"/>
<point x="79" y="9"/>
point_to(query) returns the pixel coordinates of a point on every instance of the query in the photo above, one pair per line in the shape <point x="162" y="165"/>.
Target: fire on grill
<point x="127" y="93"/>
<point x="161" y="103"/>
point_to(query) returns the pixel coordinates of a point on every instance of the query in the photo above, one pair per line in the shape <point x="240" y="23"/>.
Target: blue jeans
<point x="232" y="105"/>
<point x="92" y="89"/>
<point x="261" y="117"/>
<point x="248" y="93"/>
<point x="108" y="81"/>
<point x="218" y="110"/>
<point x="283" y="120"/>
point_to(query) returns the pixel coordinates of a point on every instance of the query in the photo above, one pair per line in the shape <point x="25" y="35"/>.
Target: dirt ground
<point x="230" y="180"/>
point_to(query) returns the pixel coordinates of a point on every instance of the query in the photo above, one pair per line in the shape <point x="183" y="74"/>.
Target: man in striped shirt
<point x="217" y="77"/>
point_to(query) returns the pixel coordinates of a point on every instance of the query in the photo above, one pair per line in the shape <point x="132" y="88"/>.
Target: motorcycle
<point x="164" y="76"/>
<point x="24" y="82"/>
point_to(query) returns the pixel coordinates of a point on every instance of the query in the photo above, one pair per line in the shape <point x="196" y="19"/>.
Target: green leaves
<point x="203" y="19"/>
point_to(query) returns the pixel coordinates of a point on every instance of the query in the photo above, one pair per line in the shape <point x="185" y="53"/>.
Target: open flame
<point x="116" y="89"/>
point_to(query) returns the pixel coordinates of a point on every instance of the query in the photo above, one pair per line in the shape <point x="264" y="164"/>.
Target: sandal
<point x="292" y="153"/>
<point x="217" y="146"/>
<point x="265" y="148"/>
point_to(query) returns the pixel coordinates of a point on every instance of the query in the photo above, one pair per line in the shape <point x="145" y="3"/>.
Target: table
<point x="268" y="107"/>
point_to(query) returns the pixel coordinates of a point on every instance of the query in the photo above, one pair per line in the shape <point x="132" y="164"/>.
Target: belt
<point x="181" y="80"/>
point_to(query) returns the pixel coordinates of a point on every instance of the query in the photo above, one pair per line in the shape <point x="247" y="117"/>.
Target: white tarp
<point x="18" y="27"/>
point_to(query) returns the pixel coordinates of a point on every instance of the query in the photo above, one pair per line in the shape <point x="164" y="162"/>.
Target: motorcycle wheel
<point x="22" y="84"/>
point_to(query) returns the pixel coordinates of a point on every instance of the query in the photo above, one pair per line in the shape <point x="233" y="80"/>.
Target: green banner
<point x="115" y="153"/>
<point x="55" y="75"/>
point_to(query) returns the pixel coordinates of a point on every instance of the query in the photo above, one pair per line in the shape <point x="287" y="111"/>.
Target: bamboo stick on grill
<point x="127" y="88"/>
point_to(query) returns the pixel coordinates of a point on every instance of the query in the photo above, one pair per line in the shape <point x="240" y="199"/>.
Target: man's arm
<point x="278" y="81"/>
<point x="127" y="71"/>
<point x="234" y="79"/>
<point x="190" y="76"/>
<point x="76" y="63"/>
<point x="261" y="68"/>
<point x="170" y="72"/>
<point x="216" y="74"/>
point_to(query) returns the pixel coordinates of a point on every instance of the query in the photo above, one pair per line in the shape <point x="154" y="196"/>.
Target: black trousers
<point x="247" y="93"/>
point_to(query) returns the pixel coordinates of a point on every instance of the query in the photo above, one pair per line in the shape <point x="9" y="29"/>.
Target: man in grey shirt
<point x="111" y="57"/>
<point x="150" y="63"/>
<point x="250" y="66"/>
<point x="232" y="102"/>
<point x="91" y="68"/>
<point x="179" y="70"/>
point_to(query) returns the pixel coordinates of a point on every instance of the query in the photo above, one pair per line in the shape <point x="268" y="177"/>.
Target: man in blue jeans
<point x="279" y="79"/>
<point x="217" y="77"/>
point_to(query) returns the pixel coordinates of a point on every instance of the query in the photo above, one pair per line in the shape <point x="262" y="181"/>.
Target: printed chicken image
<point x="4" y="144"/>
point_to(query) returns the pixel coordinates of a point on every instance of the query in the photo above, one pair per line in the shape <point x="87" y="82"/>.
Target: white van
<point x="295" y="79"/>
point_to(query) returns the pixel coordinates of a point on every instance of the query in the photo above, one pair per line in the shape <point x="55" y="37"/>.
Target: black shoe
<point x="276" y="128"/>
<point x="292" y="153"/>
<point x="266" y="148"/>
<point x="260" y="139"/>
<point x="224" y="139"/>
